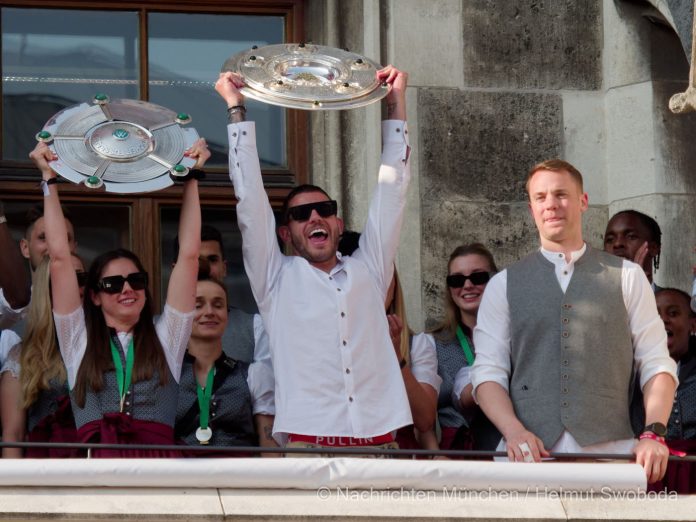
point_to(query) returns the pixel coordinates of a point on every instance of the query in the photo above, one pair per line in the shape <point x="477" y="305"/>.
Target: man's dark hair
<point x="208" y="233"/>
<point x="36" y="212"/>
<point x="651" y="225"/>
<point x="300" y="189"/>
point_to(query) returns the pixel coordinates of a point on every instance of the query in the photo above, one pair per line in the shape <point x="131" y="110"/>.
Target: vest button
<point x="565" y="335"/>
<point x="565" y="376"/>
<point x="565" y="404"/>
<point x="565" y="390"/>
<point x="565" y="363"/>
<point x="566" y="320"/>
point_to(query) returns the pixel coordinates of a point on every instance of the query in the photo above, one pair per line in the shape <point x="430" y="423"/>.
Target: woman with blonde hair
<point x="463" y="425"/>
<point x="35" y="401"/>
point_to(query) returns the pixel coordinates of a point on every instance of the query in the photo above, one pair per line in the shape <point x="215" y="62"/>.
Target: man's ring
<point x="526" y="452"/>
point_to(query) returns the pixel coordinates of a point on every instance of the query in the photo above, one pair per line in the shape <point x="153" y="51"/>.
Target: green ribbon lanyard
<point x="466" y="347"/>
<point x="204" y="395"/>
<point x="124" y="381"/>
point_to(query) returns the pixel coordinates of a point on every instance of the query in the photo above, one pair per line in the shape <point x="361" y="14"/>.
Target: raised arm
<point x="262" y="256"/>
<point x="14" y="278"/>
<point x="64" y="288"/>
<point x="181" y="292"/>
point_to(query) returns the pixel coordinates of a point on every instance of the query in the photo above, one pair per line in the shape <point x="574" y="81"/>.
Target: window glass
<point x="52" y="59"/>
<point x="186" y="53"/>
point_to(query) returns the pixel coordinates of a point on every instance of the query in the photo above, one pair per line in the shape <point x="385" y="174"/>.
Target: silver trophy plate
<point x="307" y="76"/>
<point x="127" y="146"/>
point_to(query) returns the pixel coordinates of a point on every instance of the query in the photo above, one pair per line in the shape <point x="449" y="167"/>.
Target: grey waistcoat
<point x="572" y="355"/>
<point x="238" y="339"/>
<point x="450" y="359"/>
<point x="46" y="403"/>
<point x="231" y="416"/>
<point x="145" y="400"/>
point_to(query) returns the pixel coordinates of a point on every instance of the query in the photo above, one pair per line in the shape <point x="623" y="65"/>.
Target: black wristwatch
<point x="657" y="428"/>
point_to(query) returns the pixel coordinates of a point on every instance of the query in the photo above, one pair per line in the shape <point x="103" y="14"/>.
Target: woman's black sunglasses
<point x="477" y="278"/>
<point x="323" y="208"/>
<point x="114" y="284"/>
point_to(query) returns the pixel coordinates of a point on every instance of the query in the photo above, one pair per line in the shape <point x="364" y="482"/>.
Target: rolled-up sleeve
<point x="492" y="336"/>
<point x="648" y="333"/>
<point x="424" y="361"/>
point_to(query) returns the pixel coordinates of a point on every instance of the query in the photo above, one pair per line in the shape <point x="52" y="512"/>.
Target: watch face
<point x="657" y="428"/>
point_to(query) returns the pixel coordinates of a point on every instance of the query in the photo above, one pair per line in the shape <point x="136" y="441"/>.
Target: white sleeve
<point x="72" y="340"/>
<point x="261" y="253"/>
<point x="492" y="336"/>
<point x="424" y="360"/>
<point x="8" y="315"/>
<point x="10" y="346"/>
<point x="461" y="381"/>
<point x="647" y="329"/>
<point x="380" y="237"/>
<point x="260" y="377"/>
<point x="174" y="331"/>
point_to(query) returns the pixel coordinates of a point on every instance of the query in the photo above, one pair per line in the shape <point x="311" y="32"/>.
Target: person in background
<point x="222" y="401"/>
<point x="463" y="426"/>
<point x="15" y="283"/>
<point x="637" y="237"/>
<point x="35" y="402"/>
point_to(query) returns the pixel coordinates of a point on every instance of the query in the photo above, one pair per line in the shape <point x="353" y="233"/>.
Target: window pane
<point x="185" y="49"/>
<point x="52" y="59"/>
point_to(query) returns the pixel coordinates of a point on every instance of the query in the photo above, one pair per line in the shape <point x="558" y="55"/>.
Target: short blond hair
<point x="555" y="165"/>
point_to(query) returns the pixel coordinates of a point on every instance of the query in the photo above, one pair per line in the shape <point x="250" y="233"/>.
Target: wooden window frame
<point x="18" y="183"/>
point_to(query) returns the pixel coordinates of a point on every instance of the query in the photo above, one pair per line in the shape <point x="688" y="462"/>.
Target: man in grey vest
<point x="561" y="335"/>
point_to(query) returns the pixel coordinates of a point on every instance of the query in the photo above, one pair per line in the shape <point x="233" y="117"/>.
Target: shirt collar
<point x="559" y="258"/>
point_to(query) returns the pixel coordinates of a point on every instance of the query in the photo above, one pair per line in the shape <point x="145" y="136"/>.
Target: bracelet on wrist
<point x="45" y="184"/>
<point x="198" y="174"/>
<point x="650" y="435"/>
<point x="236" y="114"/>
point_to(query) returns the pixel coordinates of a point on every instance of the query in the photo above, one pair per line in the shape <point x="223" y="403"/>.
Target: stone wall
<point x="498" y="86"/>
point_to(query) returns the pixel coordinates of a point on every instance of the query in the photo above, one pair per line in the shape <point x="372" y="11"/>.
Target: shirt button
<point x="343" y="314"/>
<point x="338" y="289"/>
<point x="345" y="342"/>
<point x="560" y="256"/>
<point x="350" y="399"/>
<point x="243" y="133"/>
<point x="347" y="370"/>
<point x="234" y="134"/>
<point x="398" y="130"/>
<point x="330" y="278"/>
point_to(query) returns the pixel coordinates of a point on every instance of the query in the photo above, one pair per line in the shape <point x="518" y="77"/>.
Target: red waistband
<point x="334" y="441"/>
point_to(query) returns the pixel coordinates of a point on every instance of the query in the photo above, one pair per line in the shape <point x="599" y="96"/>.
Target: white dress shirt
<point x="492" y="337"/>
<point x="336" y="372"/>
<point x="260" y="375"/>
<point x="173" y="331"/>
<point x="8" y="339"/>
<point x="8" y="315"/>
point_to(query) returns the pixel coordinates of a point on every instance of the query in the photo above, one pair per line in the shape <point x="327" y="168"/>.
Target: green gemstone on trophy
<point x="44" y="135"/>
<point x="182" y="116"/>
<point x="93" y="181"/>
<point x="179" y="168"/>
<point x="121" y="134"/>
<point x="101" y="96"/>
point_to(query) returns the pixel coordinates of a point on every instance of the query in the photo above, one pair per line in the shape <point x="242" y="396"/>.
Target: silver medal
<point x="204" y="435"/>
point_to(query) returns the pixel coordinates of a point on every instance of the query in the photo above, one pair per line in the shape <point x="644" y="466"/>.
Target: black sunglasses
<point x="323" y="208"/>
<point x="81" y="278"/>
<point x="114" y="284"/>
<point x="477" y="278"/>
